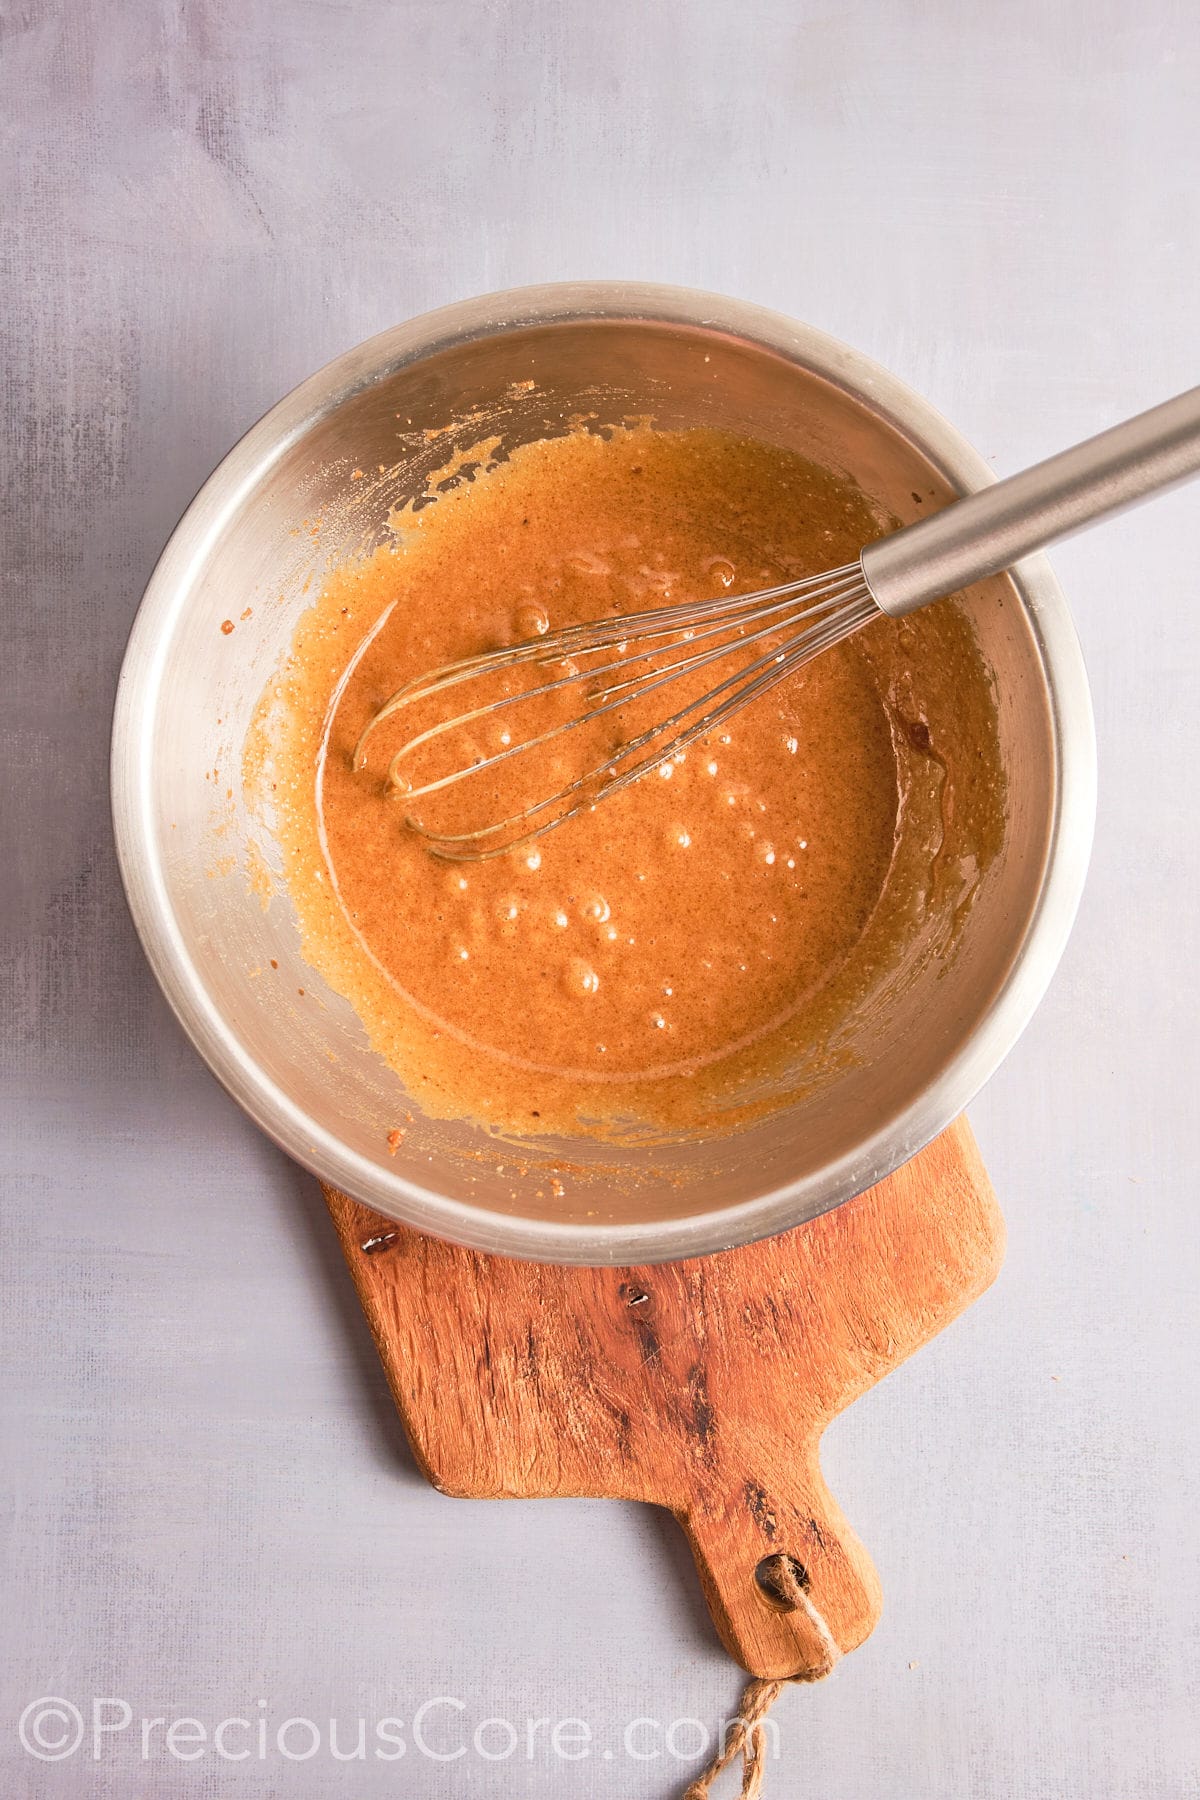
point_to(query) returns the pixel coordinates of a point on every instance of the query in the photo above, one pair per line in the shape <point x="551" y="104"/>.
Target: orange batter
<point x="694" y="945"/>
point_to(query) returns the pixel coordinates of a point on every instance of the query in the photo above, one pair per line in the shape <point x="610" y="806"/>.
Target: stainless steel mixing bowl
<point x="301" y="1065"/>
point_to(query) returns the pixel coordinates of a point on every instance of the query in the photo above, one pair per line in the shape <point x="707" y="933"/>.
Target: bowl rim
<point x="894" y="1140"/>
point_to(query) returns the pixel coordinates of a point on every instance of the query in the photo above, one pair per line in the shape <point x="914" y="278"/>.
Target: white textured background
<point x="206" y="1500"/>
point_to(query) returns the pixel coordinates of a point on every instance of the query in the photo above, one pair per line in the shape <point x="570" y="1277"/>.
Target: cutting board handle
<point x="732" y="1536"/>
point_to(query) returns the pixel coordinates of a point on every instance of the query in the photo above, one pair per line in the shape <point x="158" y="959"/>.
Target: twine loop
<point x="744" y="1737"/>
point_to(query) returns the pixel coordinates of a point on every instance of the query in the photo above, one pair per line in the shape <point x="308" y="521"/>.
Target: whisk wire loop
<point x="804" y="618"/>
<point x="599" y="700"/>
<point x="761" y="676"/>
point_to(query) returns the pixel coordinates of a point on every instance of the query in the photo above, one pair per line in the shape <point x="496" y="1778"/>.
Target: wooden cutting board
<point x="703" y="1386"/>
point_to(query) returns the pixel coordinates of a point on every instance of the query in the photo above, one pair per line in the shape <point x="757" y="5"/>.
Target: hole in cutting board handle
<point x="768" y="1580"/>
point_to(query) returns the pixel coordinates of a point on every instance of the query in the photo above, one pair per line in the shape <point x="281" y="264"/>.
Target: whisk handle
<point x="994" y="528"/>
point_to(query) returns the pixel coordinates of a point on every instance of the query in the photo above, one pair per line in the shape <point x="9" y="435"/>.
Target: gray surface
<point x="206" y="1499"/>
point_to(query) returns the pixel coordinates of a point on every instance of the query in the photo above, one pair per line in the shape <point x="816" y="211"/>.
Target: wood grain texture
<point x="703" y="1386"/>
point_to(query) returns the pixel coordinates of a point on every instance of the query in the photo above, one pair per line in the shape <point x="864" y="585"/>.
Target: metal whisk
<point x="609" y="664"/>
